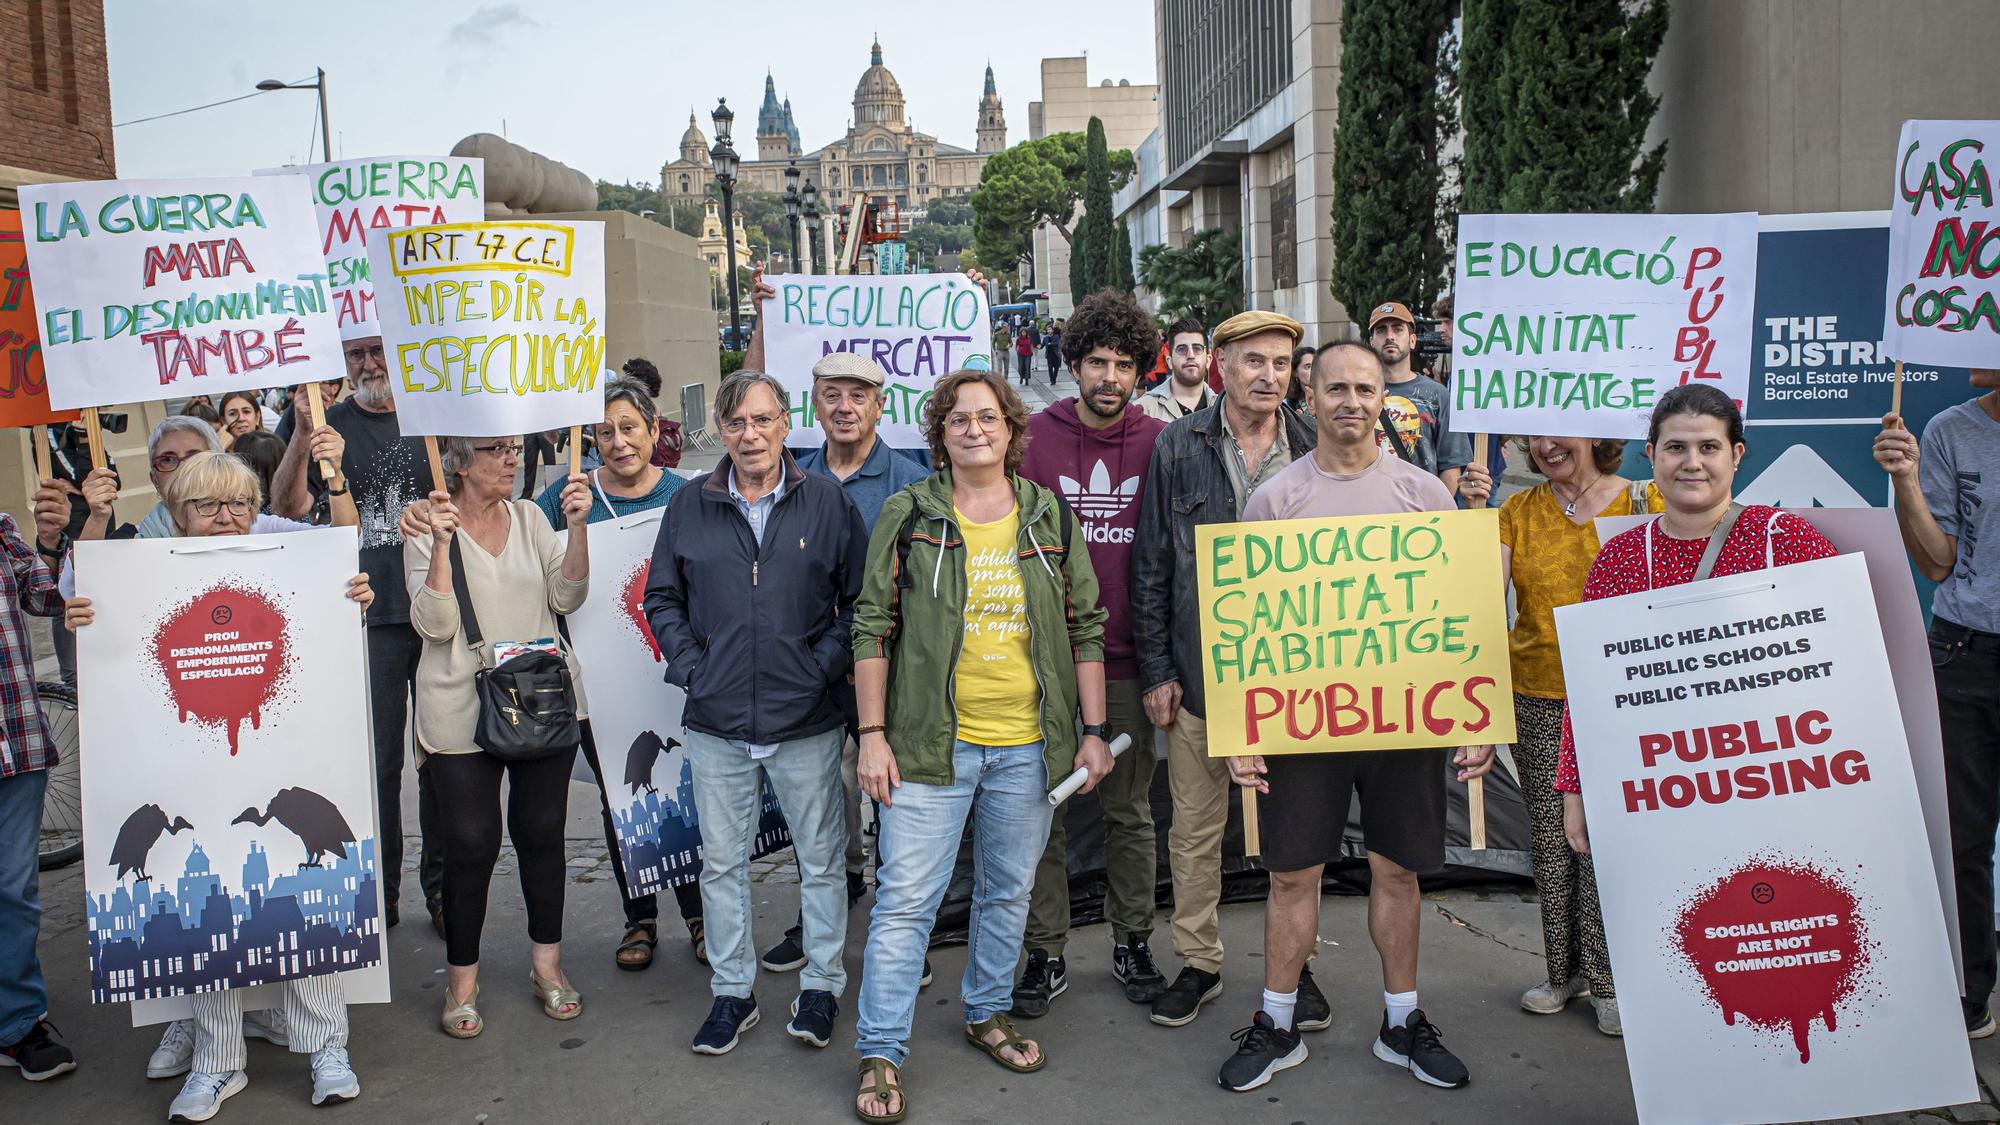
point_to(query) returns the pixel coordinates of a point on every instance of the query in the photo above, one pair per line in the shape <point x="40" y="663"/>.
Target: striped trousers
<point x="315" y="1017"/>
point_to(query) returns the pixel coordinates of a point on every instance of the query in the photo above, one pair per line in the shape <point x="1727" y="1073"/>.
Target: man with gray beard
<point x="386" y="471"/>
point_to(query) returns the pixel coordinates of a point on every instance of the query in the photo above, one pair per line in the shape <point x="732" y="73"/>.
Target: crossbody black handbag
<point x="527" y="704"/>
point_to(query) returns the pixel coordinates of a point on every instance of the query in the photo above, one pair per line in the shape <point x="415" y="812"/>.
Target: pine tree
<point x="1387" y="245"/>
<point x="1121" y="260"/>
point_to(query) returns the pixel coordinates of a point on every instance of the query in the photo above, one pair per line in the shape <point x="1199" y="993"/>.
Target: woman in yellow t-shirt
<point x="1548" y="539"/>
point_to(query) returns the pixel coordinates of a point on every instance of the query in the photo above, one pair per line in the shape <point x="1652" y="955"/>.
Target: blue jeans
<point x="1005" y="789"/>
<point x="23" y="1000"/>
<point x="728" y="799"/>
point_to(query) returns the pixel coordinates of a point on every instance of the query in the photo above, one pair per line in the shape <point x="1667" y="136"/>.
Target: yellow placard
<point x="1363" y="633"/>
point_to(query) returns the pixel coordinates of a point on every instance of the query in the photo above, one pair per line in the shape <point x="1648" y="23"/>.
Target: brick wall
<point x="55" y="96"/>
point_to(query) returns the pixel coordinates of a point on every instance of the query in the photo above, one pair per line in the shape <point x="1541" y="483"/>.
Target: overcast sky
<point x="604" y="87"/>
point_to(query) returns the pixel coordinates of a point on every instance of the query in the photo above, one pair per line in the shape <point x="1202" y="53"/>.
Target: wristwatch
<point x="1097" y="730"/>
<point x="55" y="553"/>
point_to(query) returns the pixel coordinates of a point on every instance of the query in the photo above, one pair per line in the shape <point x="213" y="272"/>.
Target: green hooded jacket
<point x="912" y="611"/>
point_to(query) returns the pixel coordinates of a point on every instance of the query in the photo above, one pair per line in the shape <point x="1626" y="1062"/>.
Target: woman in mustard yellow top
<point x="1548" y="539"/>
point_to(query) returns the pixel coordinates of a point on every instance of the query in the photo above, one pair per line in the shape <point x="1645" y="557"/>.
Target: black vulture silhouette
<point x="315" y="820"/>
<point x="137" y="836"/>
<point x="646" y="749"/>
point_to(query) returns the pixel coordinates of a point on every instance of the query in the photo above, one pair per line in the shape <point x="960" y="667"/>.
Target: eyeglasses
<point x="1190" y="349"/>
<point x="164" y="463"/>
<point x="960" y="423"/>
<point x="357" y="354"/>
<point x="502" y="450"/>
<point x="241" y="506"/>
<point x="762" y="423"/>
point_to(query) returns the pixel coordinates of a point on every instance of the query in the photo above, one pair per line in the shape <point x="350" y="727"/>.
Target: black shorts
<point x="1402" y="807"/>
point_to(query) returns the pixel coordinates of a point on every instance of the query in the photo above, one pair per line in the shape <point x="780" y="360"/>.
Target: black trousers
<point x="1966" y="664"/>
<point x="642" y="908"/>
<point x="392" y="678"/>
<point x="468" y="789"/>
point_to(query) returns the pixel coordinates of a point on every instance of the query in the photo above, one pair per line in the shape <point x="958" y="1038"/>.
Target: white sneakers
<point x="334" y="1079"/>
<point x="1607" y="1016"/>
<point x="1548" y="998"/>
<point x="175" y="1054"/>
<point x="204" y="1093"/>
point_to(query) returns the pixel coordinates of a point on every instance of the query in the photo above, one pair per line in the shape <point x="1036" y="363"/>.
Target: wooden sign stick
<point x="1253" y="841"/>
<point x="1475" y="790"/>
<point x="1896" y="391"/>
<point x="316" y="407"/>
<point x="437" y="462"/>
<point x="44" y="468"/>
<point x="93" y="435"/>
<point x="575" y="450"/>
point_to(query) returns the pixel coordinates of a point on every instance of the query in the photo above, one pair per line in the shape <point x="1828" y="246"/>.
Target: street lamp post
<point x="792" y="209"/>
<point x="810" y="196"/>
<point x="318" y="83"/>
<point x="724" y="157"/>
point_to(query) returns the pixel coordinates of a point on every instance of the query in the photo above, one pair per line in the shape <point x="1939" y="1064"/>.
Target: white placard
<point x="353" y="197"/>
<point x="1577" y="324"/>
<point x="232" y="666"/>
<point x="916" y="326"/>
<point x="1944" y="246"/>
<point x="152" y="289"/>
<point x="1760" y="851"/>
<point x="492" y="329"/>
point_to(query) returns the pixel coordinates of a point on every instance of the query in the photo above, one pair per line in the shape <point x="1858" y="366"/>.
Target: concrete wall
<point x="1789" y="106"/>
<point x="1069" y="101"/>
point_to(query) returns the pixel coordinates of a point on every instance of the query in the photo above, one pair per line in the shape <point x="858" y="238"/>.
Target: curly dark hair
<point x="1110" y="319"/>
<point x="642" y="369"/>
<point x="944" y="400"/>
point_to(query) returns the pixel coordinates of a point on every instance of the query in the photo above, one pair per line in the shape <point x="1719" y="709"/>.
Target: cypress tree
<point x="1484" y="165"/>
<point x="1121" y="260"/>
<point x="1081" y="283"/>
<point x="1096" y="243"/>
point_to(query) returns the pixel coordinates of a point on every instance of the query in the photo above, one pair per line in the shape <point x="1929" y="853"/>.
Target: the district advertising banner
<point x="916" y="326"/>
<point x="1760" y="851"/>
<point x="152" y="289"/>
<point x="636" y="718"/>
<point x="353" y="197"/>
<point x="1944" y="246"/>
<point x="1577" y="324"/>
<point x="24" y="390"/>
<point x="1361" y="633"/>
<point x="229" y="833"/>
<point x="492" y="329"/>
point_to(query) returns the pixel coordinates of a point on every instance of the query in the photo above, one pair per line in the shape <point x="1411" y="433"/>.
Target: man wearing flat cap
<point x="1416" y="411"/>
<point x="1203" y="470"/>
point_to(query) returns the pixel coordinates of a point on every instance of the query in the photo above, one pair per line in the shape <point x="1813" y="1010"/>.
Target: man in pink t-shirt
<point x="1306" y="796"/>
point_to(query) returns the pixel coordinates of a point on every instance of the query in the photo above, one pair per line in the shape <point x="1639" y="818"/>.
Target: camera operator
<point x="1415" y="410"/>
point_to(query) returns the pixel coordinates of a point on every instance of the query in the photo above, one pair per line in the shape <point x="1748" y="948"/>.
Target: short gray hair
<point x="182" y="424"/>
<point x="457" y="457"/>
<point x="633" y="393"/>
<point x="736" y="388"/>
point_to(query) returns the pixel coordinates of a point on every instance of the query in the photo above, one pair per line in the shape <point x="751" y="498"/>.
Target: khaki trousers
<point x="1200" y="786"/>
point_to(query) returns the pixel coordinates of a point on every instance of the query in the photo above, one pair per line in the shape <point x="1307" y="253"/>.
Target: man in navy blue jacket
<point x="750" y="595"/>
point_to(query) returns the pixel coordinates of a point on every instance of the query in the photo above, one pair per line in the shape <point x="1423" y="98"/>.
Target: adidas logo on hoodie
<point x="1099" y="500"/>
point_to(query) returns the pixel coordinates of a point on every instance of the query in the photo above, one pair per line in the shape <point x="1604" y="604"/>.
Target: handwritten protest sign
<point x="353" y="197"/>
<point x="1353" y="634"/>
<point x="1577" y="324"/>
<point x="916" y="326"/>
<point x="147" y="289"/>
<point x="24" y="389"/>
<point x="492" y="329"/>
<point x="1761" y="851"/>
<point x="1944" y="246"/>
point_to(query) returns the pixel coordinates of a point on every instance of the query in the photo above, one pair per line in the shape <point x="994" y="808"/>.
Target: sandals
<point x="698" y="937"/>
<point x="975" y="1034"/>
<point x="554" y="996"/>
<point x="881" y="1084"/>
<point x="463" y="1013"/>
<point x="641" y="938"/>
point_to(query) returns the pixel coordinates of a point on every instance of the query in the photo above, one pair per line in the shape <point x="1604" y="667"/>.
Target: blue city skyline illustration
<point x="659" y="833"/>
<point x="149" y="940"/>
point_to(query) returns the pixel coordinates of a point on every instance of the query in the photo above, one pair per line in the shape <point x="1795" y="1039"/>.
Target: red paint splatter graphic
<point x="631" y="595"/>
<point x="223" y="655"/>
<point x="1779" y="943"/>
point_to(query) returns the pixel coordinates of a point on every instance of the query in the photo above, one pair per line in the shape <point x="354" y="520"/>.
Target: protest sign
<point x="24" y="389"/>
<point x="1760" y="851"/>
<point x="492" y="329"/>
<point x="916" y="326"/>
<point x="1577" y="324"/>
<point x="634" y="718"/>
<point x="148" y="289"/>
<point x="1361" y="633"/>
<point x="229" y="834"/>
<point x="1943" y="303"/>
<point x="353" y="197"/>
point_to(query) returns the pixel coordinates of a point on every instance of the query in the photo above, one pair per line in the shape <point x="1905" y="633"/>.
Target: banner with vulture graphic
<point x="228" y="777"/>
<point x="635" y="717"/>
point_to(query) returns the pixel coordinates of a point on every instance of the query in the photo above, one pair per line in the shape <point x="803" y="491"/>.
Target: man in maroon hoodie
<point x="1094" y="452"/>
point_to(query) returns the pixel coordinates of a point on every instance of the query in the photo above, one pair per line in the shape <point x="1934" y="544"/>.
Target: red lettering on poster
<point x="224" y="656"/>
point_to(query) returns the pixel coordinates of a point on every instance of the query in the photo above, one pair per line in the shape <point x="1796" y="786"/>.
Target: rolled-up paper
<point x="1075" y="781"/>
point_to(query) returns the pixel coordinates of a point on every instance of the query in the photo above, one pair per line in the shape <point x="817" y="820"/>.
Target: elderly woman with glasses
<point x="519" y="574"/>
<point x="213" y="493"/>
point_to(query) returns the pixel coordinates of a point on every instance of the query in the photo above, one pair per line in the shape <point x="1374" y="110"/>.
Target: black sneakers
<point x="812" y="1017"/>
<point x="1182" y="1001"/>
<point x="1416" y="1045"/>
<point x="1979" y="1025"/>
<point x="1261" y="1051"/>
<point x="857" y="886"/>
<point x="1311" y="1012"/>
<point x="1042" y="981"/>
<point x="38" y="1055"/>
<point x="728" y="1018"/>
<point x="786" y="956"/>
<point x="1133" y="965"/>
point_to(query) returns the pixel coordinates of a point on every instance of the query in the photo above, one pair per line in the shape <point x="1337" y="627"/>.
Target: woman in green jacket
<point x="978" y="595"/>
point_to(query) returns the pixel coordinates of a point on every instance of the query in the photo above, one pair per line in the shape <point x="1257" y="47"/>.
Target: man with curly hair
<point x="1093" y="450"/>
